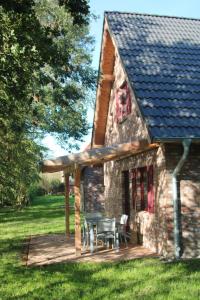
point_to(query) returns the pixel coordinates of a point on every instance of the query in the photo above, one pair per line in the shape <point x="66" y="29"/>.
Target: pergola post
<point x="77" y="176"/>
<point x="67" y="210"/>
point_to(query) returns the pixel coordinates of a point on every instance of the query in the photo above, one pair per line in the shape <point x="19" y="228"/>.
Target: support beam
<point x="77" y="176"/>
<point x="67" y="210"/>
<point x="95" y="156"/>
<point x="107" y="77"/>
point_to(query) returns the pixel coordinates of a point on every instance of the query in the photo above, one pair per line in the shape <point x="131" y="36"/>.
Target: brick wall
<point x="189" y="181"/>
<point x="130" y="129"/>
<point x="93" y="189"/>
<point x="158" y="228"/>
<point x="154" y="227"/>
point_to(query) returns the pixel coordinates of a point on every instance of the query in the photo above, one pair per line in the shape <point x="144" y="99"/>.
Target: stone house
<point x="145" y="150"/>
<point x="149" y="89"/>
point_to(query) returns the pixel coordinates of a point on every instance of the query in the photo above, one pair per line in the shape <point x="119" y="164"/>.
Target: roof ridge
<point x="152" y="15"/>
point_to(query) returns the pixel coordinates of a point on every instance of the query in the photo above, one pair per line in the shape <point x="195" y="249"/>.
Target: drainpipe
<point x="176" y="199"/>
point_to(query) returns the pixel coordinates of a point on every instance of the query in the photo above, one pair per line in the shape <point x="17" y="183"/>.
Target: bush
<point x="57" y="187"/>
<point x="36" y="190"/>
<point x="62" y="187"/>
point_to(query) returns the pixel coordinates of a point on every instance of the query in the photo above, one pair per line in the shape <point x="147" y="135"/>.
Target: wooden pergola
<point x="73" y="163"/>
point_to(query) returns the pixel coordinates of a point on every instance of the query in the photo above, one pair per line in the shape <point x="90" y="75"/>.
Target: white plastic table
<point x="91" y="222"/>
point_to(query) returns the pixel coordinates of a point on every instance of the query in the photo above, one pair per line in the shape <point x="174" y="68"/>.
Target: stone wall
<point x="189" y="182"/>
<point x="152" y="226"/>
<point x="93" y="189"/>
<point x="157" y="228"/>
<point x="133" y="127"/>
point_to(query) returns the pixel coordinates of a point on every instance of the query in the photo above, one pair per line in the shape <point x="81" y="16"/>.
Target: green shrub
<point x="36" y="190"/>
<point x="57" y="187"/>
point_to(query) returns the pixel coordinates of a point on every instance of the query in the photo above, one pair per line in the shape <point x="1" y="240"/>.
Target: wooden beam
<point x="107" y="62"/>
<point x="77" y="176"/>
<point x="107" y="77"/>
<point x="96" y="156"/>
<point x="67" y="210"/>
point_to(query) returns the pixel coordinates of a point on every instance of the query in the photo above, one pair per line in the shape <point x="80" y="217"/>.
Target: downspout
<point x="176" y="199"/>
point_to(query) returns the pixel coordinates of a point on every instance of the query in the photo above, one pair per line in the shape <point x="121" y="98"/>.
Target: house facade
<point x="149" y="89"/>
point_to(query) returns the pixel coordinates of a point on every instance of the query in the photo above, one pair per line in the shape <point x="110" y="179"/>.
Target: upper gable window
<point x="123" y="102"/>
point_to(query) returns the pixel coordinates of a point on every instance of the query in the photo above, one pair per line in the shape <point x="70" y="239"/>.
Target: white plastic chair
<point x="106" y="230"/>
<point x="123" y="219"/>
<point x="85" y="234"/>
<point x="93" y="215"/>
<point x="122" y="228"/>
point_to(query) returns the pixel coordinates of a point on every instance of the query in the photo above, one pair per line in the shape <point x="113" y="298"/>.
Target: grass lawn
<point x="138" y="279"/>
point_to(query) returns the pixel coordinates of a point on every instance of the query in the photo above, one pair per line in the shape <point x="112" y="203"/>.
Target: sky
<point x="181" y="8"/>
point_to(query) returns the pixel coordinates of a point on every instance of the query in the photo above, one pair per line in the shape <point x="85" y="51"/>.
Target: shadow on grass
<point x="140" y="278"/>
<point x="33" y="216"/>
<point x="48" y="207"/>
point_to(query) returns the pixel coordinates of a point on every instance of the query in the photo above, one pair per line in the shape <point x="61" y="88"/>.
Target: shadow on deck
<point x="55" y="248"/>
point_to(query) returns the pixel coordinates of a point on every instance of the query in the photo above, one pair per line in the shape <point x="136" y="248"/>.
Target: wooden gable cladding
<point x="102" y="111"/>
<point x="108" y="59"/>
<point x="107" y="62"/>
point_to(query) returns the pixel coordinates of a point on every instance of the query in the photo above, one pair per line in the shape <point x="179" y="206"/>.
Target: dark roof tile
<point x="161" y="56"/>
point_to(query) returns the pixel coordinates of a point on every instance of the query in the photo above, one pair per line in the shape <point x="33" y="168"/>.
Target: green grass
<point x="138" y="279"/>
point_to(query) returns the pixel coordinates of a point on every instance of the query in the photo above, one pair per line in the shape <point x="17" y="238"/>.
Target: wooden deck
<point x="55" y="248"/>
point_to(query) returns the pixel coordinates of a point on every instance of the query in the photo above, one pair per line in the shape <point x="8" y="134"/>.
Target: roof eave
<point x="100" y="57"/>
<point x="174" y="139"/>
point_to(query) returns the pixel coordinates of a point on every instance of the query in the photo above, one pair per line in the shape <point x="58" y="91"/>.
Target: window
<point x="126" y="194"/>
<point x="126" y="197"/>
<point x="123" y="102"/>
<point x="143" y="189"/>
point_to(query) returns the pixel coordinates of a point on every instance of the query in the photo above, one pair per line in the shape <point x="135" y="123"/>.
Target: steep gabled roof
<point x="161" y="56"/>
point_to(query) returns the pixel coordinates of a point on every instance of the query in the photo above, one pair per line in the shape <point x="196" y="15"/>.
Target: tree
<point x="45" y="76"/>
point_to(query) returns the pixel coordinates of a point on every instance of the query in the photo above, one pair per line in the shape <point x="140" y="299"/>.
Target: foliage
<point x="57" y="187"/>
<point x="138" y="279"/>
<point x="19" y="164"/>
<point x="66" y="77"/>
<point x="34" y="191"/>
<point x="47" y="185"/>
<point x="79" y="9"/>
<point x="45" y="79"/>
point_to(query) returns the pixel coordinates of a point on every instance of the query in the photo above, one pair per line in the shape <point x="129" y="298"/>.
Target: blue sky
<point x="181" y="8"/>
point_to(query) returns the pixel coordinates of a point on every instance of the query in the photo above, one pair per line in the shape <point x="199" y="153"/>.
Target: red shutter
<point x="134" y="187"/>
<point x="142" y="170"/>
<point x="150" y="190"/>
<point x="123" y="102"/>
